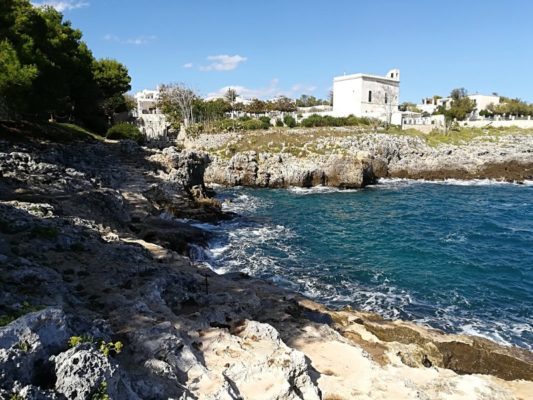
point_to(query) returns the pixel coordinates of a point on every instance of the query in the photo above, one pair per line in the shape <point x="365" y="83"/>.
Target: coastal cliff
<point x="344" y="157"/>
<point x="99" y="297"/>
<point x="285" y="170"/>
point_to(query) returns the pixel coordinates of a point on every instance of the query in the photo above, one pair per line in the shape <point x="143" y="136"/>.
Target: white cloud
<point x="269" y="91"/>
<point x="65" y="5"/>
<point x="223" y="62"/>
<point x="188" y="65"/>
<point x="137" y="41"/>
<point x="302" y="89"/>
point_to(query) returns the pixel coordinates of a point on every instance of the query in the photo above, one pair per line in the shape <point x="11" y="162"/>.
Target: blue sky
<point x="288" y="47"/>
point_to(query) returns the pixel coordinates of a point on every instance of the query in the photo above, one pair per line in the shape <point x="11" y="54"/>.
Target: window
<point x="370" y="96"/>
<point x="392" y="74"/>
<point x="386" y="98"/>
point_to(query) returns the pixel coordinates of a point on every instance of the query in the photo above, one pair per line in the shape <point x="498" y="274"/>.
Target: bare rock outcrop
<point x="285" y="170"/>
<point x="493" y="155"/>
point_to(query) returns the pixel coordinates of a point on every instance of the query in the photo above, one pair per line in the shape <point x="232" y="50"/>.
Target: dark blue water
<point x="456" y="257"/>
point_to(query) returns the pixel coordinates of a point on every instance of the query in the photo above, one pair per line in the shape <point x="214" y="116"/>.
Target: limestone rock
<point x="285" y="170"/>
<point x="83" y="371"/>
<point x="28" y="342"/>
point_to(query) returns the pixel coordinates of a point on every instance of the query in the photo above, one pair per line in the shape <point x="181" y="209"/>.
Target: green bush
<point x="316" y="120"/>
<point x="289" y="121"/>
<point x="242" y="124"/>
<point x="124" y="131"/>
<point x="265" y="122"/>
<point x="194" y="130"/>
<point x="253" y="124"/>
<point x="279" y="123"/>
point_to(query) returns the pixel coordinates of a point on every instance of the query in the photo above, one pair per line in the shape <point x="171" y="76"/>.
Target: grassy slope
<point x="53" y="131"/>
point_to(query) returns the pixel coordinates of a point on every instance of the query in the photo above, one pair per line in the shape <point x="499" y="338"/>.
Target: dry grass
<point x="463" y="135"/>
<point x="298" y="142"/>
<point x="303" y="142"/>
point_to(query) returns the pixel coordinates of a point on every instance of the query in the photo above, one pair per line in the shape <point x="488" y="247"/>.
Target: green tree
<point x="408" y="106"/>
<point x="311" y="101"/>
<point x="112" y="81"/>
<point x="514" y="107"/>
<point x="256" y="106"/>
<point x="211" y="110"/>
<point x="283" y="104"/>
<point x="460" y="107"/>
<point x="15" y="79"/>
<point x="48" y="71"/>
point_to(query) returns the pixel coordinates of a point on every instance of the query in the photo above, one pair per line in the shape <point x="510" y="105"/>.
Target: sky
<point x="292" y="47"/>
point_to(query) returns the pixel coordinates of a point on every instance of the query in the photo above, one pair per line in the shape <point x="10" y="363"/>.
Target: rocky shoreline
<point x="99" y="298"/>
<point x="347" y="159"/>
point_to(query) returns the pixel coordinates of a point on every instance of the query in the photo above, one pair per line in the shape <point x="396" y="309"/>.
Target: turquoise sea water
<point x="454" y="256"/>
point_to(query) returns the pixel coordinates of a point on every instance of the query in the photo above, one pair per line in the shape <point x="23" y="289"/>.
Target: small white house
<point x="365" y="95"/>
<point x="152" y="123"/>
<point x="482" y="102"/>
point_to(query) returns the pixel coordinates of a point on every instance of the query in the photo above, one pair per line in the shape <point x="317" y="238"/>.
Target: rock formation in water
<point x="343" y="158"/>
<point x="285" y="170"/>
<point x="98" y="297"/>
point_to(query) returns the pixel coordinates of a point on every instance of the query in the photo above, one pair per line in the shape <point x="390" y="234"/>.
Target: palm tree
<point x="231" y="97"/>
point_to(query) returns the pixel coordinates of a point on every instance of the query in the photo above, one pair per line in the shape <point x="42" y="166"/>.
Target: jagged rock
<point x="30" y="392"/>
<point x="28" y="342"/>
<point x="83" y="371"/>
<point x="167" y="361"/>
<point x="276" y="170"/>
<point x="259" y="365"/>
<point x="391" y="155"/>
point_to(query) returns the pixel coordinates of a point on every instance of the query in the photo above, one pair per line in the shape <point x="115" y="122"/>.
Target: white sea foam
<point x="394" y="182"/>
<point x="241" y="204"/>
<point x="454" y="237"/>
<point x="472" y="330"/>
<point x="318" y="189"/>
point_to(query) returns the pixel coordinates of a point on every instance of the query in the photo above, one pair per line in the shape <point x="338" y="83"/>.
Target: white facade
<point x="152" y="123"/>
<point x="482" y="102"/>
<point x="423" y="124"/>
<point x="366" y="95"/>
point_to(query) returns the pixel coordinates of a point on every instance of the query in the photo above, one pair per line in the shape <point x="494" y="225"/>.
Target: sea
<point x="453" y="255"/>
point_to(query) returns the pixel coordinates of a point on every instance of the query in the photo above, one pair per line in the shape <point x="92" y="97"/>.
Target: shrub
<point x="316" y="120"/>
<point x="279" y="123"/>
<point x="265" y="121"/>
<point x="194" y="130"/>
<point x="289" y="121"/>
<point x="253" y="125"/>
<point x="124" y="131"/>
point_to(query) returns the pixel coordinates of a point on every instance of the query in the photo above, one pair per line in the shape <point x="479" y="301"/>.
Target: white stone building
<point x="365" y="95"/>
<point x="481" y="101"/>
<point x="152" y="123"/>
